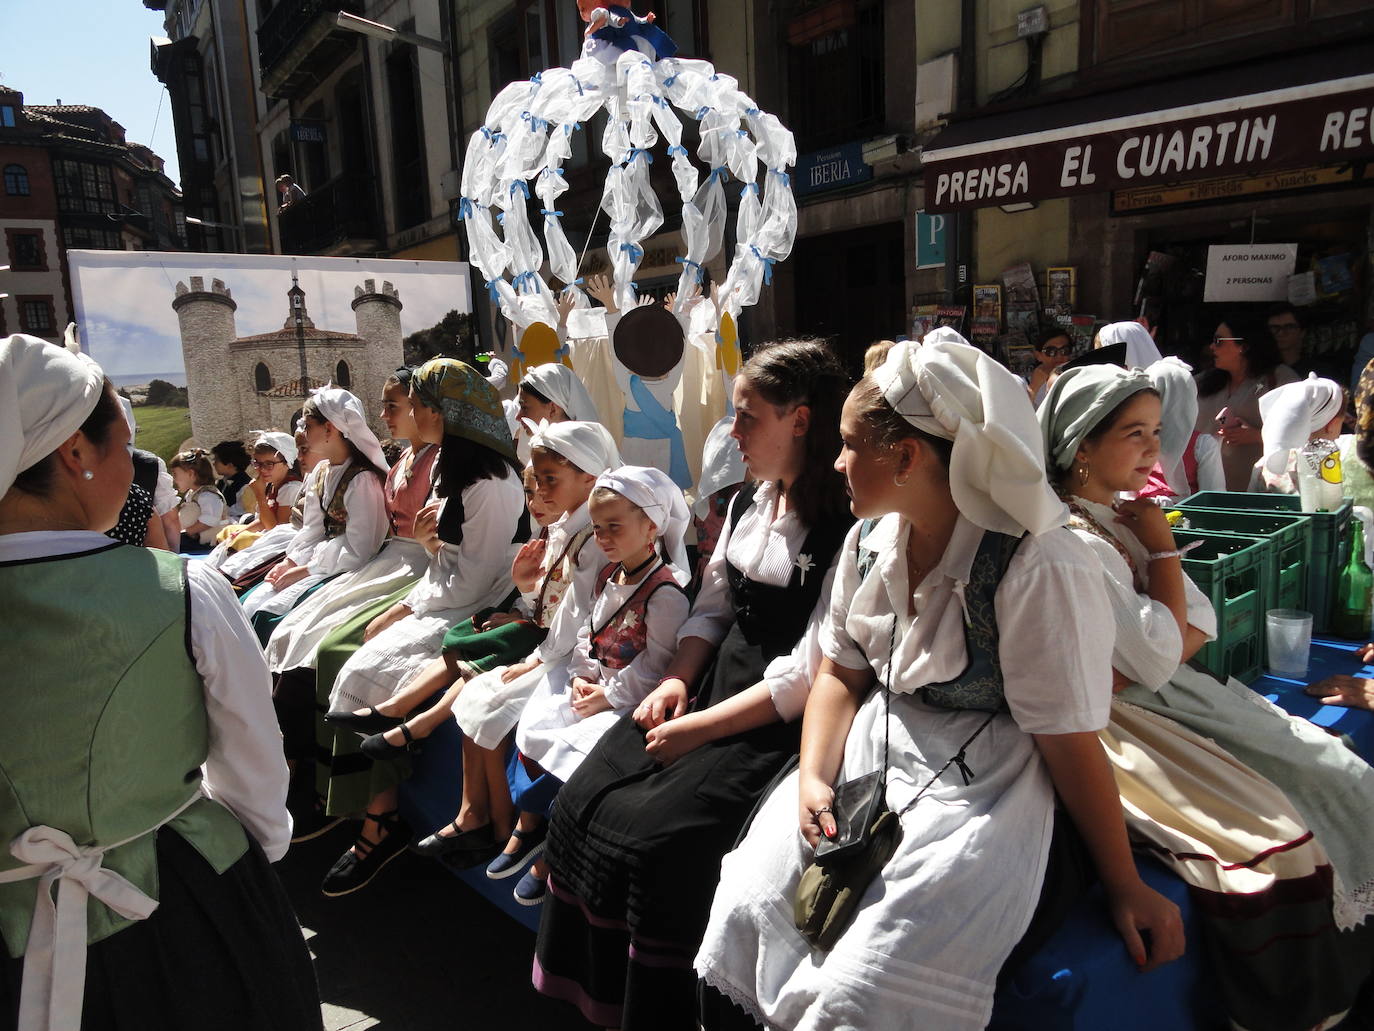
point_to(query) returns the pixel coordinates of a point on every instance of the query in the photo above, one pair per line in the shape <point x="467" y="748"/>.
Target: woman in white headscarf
<point x="1189" y="461"/>
<point x="143" y="773"/>
<point x="1264" y="816"/>
<point x="1310" y="409"/>
<point x="1141" y="350"/>
<point x="985" y="623"/>
<point x="549" y="393"/>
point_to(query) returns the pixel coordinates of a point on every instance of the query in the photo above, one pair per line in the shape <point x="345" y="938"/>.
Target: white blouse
<point x="461" y="576"/>
<point x="1053" y="621"/>
<point x="366" y="529"/>
<point x="244" y="769"/>
<point x="627" y="687"/>
<point x="1148" y="644"/>
<point x="764" y="547"/>
<point x="571" y="615"/>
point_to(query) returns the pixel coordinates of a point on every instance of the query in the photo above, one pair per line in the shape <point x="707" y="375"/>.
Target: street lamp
<point x="352" y="23"/>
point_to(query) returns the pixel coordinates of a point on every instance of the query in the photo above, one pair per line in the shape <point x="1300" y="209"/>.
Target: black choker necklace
<point x="627" y="573"/>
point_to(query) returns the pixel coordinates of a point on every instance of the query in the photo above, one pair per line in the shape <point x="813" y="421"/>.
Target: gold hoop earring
<point x="899" y="483"/>
<point x="1082" y="475"/>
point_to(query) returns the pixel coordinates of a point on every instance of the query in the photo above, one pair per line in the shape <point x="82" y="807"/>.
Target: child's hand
<point x="603" y="290"/>
<point x="665" y="702"/>
<point x="669" y="742"/>
<point x="278" y="571"/>
<point x="518" y="670"/>
<point x="427" y="525"/>
<point x="528" y="563"/>
<point x="567" y="301"/>
<point x="501" y="619"/>
<point x="814" y="815"/>
<point x="588" y="699"/>
<point x="1138" y="907"/>
<point x="395" y="614"/>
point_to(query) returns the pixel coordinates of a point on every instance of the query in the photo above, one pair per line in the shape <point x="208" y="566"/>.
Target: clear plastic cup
<point x="1289" y="636"/>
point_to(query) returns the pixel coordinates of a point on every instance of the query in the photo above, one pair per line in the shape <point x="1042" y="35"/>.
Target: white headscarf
<point x="1292" y="413"/>
<point x="721" y="464"/>
<point x="950" y="389"/>
<point x="128" y="407"/>
<point x="283" y="443"/>
<point x="560" y="385"/>
<point x="1141" y="351"/>
<point x="46" y="393"/>
<point x="1178" y="414"/>
<point x="661" y="499"/>
<point x="587" y="445"/>
<point x="345" y="411"/>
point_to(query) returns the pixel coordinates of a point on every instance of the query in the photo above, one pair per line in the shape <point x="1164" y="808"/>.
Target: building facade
<point x="72" y="180"/>
<point x="238" y="384"/>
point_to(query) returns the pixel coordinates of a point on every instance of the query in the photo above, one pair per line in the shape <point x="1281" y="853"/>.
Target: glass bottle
<point x="1354" y="591"/>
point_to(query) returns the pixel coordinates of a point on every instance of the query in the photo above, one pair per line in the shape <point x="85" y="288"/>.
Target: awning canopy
<point x="1315" y="108"/>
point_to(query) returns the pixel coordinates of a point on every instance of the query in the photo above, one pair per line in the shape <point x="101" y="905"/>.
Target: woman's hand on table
<point x="1353" y="692"/>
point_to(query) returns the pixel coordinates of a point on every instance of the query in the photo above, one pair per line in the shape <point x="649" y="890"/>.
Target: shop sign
<point x="930" y="240"/>
<point x="307" y="131"/>
<point x="831" y="169"/>
<point x="1249" y="272"/>
<point x="1233" y="187"/>
<point x="1151" y="148"/>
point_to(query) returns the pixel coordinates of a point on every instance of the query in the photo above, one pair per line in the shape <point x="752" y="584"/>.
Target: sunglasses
<point x="1056" y="352"/>
<point x="1223" y="340"/>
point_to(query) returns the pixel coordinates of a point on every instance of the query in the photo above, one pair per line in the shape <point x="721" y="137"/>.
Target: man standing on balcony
<point x="288" y="192"/>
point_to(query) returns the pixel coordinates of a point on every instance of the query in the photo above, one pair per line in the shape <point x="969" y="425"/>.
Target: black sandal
<point x="376" y="746"/>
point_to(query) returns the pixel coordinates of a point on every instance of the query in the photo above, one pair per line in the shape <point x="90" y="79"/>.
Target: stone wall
<point x="206" y="319"/>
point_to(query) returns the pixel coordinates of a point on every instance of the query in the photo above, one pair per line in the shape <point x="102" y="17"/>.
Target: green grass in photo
<point x="162" y="429"/>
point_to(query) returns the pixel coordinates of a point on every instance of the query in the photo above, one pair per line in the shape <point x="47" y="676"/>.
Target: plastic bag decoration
<point x="627" y="69"/>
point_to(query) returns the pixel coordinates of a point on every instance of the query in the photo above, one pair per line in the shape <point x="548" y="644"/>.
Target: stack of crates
<point x="1233" y="571"/>
<point x="1330" y="537"/>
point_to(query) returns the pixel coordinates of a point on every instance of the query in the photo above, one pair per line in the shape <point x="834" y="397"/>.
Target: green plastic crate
<point x="1290" y="538"/>
<point x="1330" y="541"/>
<point x="1231" y="571"/>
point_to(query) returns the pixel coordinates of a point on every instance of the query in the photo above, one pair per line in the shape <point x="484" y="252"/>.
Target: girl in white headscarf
<point x="345" y="521"/>
<point x="275" y="485"/>
<point x="1191" y="461"/>
<point x="1226" y="788"/>
<point x="1141" y="350"/>
<point x="1311" y="409"/>
<point x="567" y="457"/>
<point x="550" y="393"/>
<point x="941" y="444"/>
<point x="623" y="646"/>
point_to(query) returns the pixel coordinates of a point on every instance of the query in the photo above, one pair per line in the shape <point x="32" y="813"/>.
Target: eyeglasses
<point x="267" y="463"/>
<point x="1225" y="340"/>
<point x="1284" y="327"/>
<point x="1056" y="352"/>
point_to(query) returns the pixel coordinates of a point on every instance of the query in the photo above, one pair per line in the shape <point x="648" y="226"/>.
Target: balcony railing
<point x="343" y="209"/>
<point x="289" y="21"/>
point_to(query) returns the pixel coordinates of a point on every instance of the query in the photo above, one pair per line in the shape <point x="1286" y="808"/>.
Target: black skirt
<point x="221" y="951"/>
<point x="634" y="851"/>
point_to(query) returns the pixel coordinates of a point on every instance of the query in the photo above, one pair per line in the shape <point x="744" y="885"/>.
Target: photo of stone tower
<point x="239" y="384"/>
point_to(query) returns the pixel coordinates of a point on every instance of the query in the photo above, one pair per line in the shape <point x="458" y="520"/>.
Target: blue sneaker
<point x="530" y="890"/>
<point x="531" y="844"/>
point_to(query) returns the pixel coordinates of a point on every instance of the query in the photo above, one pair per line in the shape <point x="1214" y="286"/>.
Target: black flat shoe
<point x="461" y="844"/>
<point x="376" y="746"/>
<point x="352" y="871"/>
<point x="370" y="722"/>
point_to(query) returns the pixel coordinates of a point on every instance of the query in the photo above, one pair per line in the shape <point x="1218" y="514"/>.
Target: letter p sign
<point x="930" y="240"/>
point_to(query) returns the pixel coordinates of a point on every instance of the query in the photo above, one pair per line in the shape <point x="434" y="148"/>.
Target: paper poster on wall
<point x="1249" y="272"/>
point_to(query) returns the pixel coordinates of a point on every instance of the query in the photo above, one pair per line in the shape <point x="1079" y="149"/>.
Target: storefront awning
<point x="1315" y="108"/>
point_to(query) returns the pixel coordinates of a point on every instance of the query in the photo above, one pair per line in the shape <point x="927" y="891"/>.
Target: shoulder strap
<point x="862" y="556"/>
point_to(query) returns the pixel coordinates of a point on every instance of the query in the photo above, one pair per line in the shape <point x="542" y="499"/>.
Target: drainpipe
<point x="958" y="270"/>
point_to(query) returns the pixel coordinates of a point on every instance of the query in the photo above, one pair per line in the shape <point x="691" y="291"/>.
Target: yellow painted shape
<point x="727" y="346"/>
<point x="539" y="345"/>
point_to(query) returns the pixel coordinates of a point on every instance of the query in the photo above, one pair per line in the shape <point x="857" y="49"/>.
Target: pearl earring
<point x="86" y="474"/>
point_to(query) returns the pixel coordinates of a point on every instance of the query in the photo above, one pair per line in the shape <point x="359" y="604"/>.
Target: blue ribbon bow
<point x="524" y="280"/>
<point x="677" y="150"/>
<point x="493" y="292"/>
<point x="464" y="208"/>
<point x="522" y="186"/>
<point x="786" y="179"/>
<point x="718" y="174"/>
<point x="695" y="264"/>
<point x="636" y="252"/>
<point x="768" y="264"/>
<point x="639" y="152"/>
<point x="547" y="213"/>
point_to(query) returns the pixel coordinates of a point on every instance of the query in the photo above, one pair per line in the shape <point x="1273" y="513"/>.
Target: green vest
<point x="105" y="726"/>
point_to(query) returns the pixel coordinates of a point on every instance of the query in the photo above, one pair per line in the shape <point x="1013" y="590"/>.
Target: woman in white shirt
<point x="640" y="826"/>
<point x="986" y="625"/>
<point x="153" y="747"/>
<point x="1266" y="817"/>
